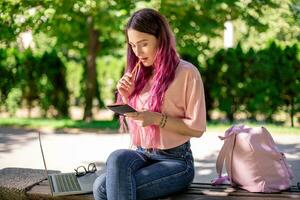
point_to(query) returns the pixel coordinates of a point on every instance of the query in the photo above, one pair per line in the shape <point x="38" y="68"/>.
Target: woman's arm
<point x="174" y="124"/>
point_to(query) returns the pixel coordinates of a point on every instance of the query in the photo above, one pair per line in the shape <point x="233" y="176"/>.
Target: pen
<point x="134" y="71"/>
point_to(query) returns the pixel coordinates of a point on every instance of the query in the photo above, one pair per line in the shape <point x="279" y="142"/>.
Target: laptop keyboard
<point x="67" y="183"/>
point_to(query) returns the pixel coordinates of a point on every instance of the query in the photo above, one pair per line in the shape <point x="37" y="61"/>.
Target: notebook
<point x="68" y="183"/>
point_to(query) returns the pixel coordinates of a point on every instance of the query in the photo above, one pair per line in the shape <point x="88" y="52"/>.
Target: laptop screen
<point x="41" y="147"/>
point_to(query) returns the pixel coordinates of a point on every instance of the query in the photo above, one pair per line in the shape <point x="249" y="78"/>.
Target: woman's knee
<point x="120" y="158"/>
<point x="99" y="190"/>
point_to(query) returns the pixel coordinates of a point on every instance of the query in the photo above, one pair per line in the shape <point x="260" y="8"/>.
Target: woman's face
<point x="144" y="46"/>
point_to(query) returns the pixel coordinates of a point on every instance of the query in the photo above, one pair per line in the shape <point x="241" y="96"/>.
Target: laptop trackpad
<point x="86" y="182"/>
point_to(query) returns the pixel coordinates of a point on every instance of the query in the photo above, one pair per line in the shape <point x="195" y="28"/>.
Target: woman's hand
<point x="145" y="118"/>
<point x="126" y="85"/>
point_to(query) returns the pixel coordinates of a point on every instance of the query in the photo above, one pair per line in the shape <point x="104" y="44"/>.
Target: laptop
<point x="68" y="183"/>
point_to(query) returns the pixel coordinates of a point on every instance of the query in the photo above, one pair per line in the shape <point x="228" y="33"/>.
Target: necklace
<point x="143" y="104"/>
<point x="147" y="89"/>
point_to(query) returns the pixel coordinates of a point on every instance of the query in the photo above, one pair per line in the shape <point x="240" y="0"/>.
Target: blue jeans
<point x="145" y="173"/>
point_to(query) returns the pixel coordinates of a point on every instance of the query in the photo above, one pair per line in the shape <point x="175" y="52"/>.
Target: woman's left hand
<point x="144" y="118"/>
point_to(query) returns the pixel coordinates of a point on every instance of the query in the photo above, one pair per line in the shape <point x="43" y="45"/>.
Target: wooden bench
<point x="197" y="191"/>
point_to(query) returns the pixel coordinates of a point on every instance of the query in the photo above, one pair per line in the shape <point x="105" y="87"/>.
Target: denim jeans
<point x="145" y="173"/>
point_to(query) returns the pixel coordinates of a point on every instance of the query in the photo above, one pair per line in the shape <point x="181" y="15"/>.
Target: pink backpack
<point x="253" y="161"/>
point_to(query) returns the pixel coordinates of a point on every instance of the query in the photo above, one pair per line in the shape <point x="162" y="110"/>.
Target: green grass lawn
<point x="58" y="123"/>
<point x="114" y="125"/>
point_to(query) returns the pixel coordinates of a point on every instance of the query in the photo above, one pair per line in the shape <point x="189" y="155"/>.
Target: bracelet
<point x="163" y="121"/>
<point x="166" y="117"/>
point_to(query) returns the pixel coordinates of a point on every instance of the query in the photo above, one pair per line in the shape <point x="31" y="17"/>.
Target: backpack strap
<point x="225" y="154"/>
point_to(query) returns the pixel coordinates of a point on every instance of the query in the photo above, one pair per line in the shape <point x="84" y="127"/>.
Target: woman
<point x="169" y="96"/>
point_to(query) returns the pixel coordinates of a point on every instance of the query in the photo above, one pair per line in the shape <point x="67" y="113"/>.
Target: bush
<point x="53" y="87"/>
<point x="261" y="82"/>
<point x="33" y="80"/>
<point x="7" y="75"/>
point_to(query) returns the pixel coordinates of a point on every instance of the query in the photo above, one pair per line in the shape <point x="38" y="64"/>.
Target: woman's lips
<point x="143" y="59"/>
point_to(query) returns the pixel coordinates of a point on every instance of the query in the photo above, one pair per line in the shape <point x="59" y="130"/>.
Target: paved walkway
<point x="64" y="152"/>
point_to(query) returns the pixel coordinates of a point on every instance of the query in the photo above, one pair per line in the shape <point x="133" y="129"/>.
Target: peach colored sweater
<point x="184" y="99"/>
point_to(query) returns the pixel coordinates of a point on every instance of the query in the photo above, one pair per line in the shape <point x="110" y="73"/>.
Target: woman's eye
<point x="144" y="44"/>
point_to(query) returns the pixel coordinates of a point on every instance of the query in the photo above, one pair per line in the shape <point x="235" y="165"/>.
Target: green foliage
<point x="239" y="79"/>
<point x="109" y="71"/>
<point x="13" y="100"/>
<point x="73" y="76"/>
<point x="33" y="80"/>
<point x="53" y="87"/>
<point x="28" y="75"/>
<point x="224" y="78"/>
<point x="231" y="79"/>
<point x="283" y="26"/>
<point x="197" y="24"/>
<point x="68" y="22"/>
<point x="259" y="82"/>
<point x="288" y="76"/>
<point x="7" y="74"/>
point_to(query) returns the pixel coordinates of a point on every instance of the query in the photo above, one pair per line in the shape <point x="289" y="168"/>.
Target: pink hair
<point x="163" y="70"/>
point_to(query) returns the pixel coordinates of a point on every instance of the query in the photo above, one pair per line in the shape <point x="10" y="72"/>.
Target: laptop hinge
<point x="51" y="184"/>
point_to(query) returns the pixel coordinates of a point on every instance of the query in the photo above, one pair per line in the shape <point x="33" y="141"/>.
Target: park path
<point x="65" y="151"/>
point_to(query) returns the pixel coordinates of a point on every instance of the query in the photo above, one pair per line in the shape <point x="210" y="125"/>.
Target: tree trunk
<point x="292" y="111"/>
<point x="93" y="48"/>
<point x="98" y="95"/>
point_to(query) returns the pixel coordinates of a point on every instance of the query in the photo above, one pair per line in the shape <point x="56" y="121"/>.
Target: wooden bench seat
<point x="197" y="191"/>
<point x="20" y="184"/>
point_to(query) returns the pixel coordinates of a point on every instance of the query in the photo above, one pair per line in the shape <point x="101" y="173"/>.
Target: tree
<point x="85" y="27"/>
<point x="198" y="24"/>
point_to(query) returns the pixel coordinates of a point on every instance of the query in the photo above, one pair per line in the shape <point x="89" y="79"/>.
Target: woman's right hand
<point x="126" y="85"/>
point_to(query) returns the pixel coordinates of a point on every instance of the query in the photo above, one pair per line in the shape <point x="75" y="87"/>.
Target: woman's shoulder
<point x="186" y="68"/>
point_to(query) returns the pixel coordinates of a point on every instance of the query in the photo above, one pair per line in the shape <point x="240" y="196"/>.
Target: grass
<point x="58" y="123"/>
<point x="114" y="125"/>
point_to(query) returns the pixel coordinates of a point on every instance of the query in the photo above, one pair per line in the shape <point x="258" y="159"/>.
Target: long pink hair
<point x="163" y="70"/>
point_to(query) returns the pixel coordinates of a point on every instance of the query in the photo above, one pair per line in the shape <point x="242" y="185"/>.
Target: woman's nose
<point x="139" y="51"/>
